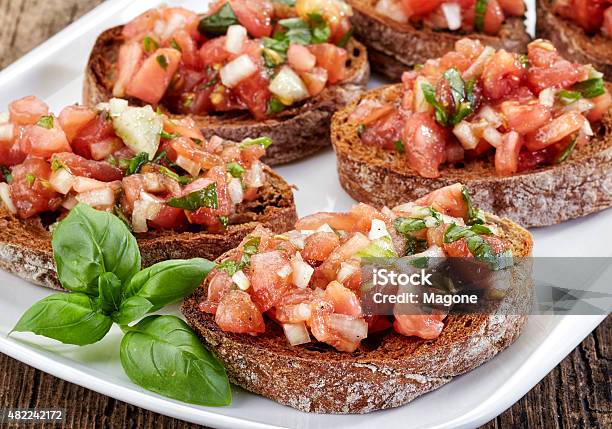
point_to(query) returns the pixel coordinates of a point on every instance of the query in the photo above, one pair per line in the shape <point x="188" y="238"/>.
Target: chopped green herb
<point x="45" y="122"/>
<point x="197" y="141"/>
<point x="280" y="46"/>
<point x="415" y="245"/>
<point x="272" y="58"/>
<point x="205" y="197"/>
<point x="149" y="44"/>
<point x="567" y="151"/>
<point x="262" y="141"/>
<point x="399" y="146"/>
<point x="7" y="174"/>
<point x="590" y="88"/>
<point x="160" y="156"/>
<point x="30" y="178"/>
<point x="167" y="136"/>
<point x="175" y="45"/>
<point x="229" y="266"/>
<point x="320" y="30"/>
<point x="345" y="39"/>
<point x="568" y="97"/>
<point x="275" y="105"/>
<point x="430" y="96"/>
<point x="224" y="221"/>
<point x="478" y="246"/>
<point x="183" y="180"/>
<point x="475" y="215"/>
<point x="249" y="249"/>
<point x="235" y="169"/>
<point x="218" y="22"/>
<point x="406" y="225"/>
<point x="524" y="60"/>
<point x="361" y="129"/>
<point x="162" y="61"/>
<point x="481" y="10"/>
<point x="188" y="99"/>
<point x="134" y="165"/>
<point x="56" y="164"/>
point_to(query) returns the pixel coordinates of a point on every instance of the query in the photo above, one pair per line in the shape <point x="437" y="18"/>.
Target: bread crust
<point x="296" y="132"/>
<point x="571" y="40"/>
<point x="398" y="47"/>
<point x="385" y="372"/>
<point x="25" y="245"/>
<point x="546" y="196"/>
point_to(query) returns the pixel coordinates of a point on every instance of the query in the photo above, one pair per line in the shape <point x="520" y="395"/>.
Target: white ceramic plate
<point x="53" y="72"/>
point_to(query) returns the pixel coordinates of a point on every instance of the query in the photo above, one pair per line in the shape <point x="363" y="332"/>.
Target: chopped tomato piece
<point x="213" y="51"/>
<point x="98" y="130"/>
<point x="428" y="327"/>
<point x="513" y="7"/>
<point x="525" y="118"/>
<point x="268" y="286"/>
<point x="494" y="17"/>
<point x="318" y="246"/>
<point x="153" y="78"/>
<point x="338" y="330"/>
<point x="237" y="313"/>
<point x="10" y="150"/>
<point x="219" y="283"/>
<point x="420" y="7"/>
<point x="602" y="105"/>
<point x="507" y="154"/>
<point x="185" y="148"/>
<point x="339" y="221"/>
<point x="255" y="15"/>
<point x="191" y="56"/>
<point x="185" y="127"/>
<point x="30" y="189"/>
<point x="129" y="61"/>
<point x="208" y="216"/>
<point x="43" y="142"/>
<point x="27" y="110"/>
<point x="448" y="200"/>
<point x="332" y="58"/>
<point x="424" y="143"/>
<point x="300" y="58"/>
<point x="502" y="75"/>
<point x="169" y="218"/>
<point x="82" y="167"/>
<point x="556" y="130"/>
<point x="328" y="270"/>
<point x="548" y="69"/>
<point x="138" y="27"/>
<point x="74" y="118"/>
<point x="314" y="80"/>
<point x="385" y="131"/>
<point x="344" y="300"/>
<point x="254" y="93"/>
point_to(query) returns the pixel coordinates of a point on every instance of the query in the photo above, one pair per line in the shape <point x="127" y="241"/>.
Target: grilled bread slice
<point x="386" y="371"/>
<point x="394" y="47"/>
<point x="25" y="245"/>
<point x="571" y="40"/>
<point x="546" y="196"/>
<point x="296" y="132"/>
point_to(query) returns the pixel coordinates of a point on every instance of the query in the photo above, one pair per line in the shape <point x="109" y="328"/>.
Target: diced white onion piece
<point x="285" y="271"/>
<point x="100" y="197"/>
<point x="581" y="105"/>
<point x="235" y="37"/>
<point x="303" y="311"/>
<point x="491" y="116"/>
<point x="153" y="182"/>
<point x="117" y="106"/>
<point x="254" y="177"/>
<point x="177" y="21"/>
<point x="191" y="167"/>
<point x="296" y="333"/>
<point x="492" y="136"/>
<point x="6" y="132"/>
<point x="288" y="86"/>
<point x="594" y="73"/>
<point x="463" y="132"/>
<point x="347" y="269"/>
<point x="85" y="184"/>
<point x="5" y="196"/>
<point x="325" y="228"/>
<point x="296" y="239"/>
<point x="348" y="327"/>
<point x="388" y="212"/>
<point x="145" y="196"/>
<point x="430" y="222"/>
<point x="61" y="180"/>
<point x="302" y="272"/>
<point x="420" y="103"/>
<point x="378" y="229"/>
<point x="547" y="97"/>
<point x="241" y="280"/>
<point x="237" y="70"/>
<point x="452" y="13"/>
<point x="69" y="202"/>
<point x="586" y="128"/>
<point x="141" y="213"/>
<point x="235" y="191"/>
<point x="478" y="65"/>
<point x="392" y="9"/>
<point x="4" y="117"/>
<point x="307" y="232"/>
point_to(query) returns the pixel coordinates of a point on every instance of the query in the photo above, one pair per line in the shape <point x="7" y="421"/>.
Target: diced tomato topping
<point x="602" y="106"/>
<point x="10" y="150"/>
<point x="448" y="200"/>
<point x="268" y="286"/>
<point x="607" y="24"/>
<point x="502" y="75"/>
<point x="237" y="313"/>
<point x="185" y="127"/>
<point x="332" y="58"/>
<point x="589" y="14"/>
<point x="314" y="80"/>
<point x="424" y="143"/>
<point x="83" y="167"/>
<point x="208" y="216"/>
<point x="507" y="154"/>
<point x="420" y="7"/>
<point x="169" y="218"/>
<point x="191" y="56"/>
<point x="30" y="189"/>
<point x="153" y="78"/>
<point x="129" y="61"/>
<point x="423" y="326"/>
<point x="141" y="25"/>
<point x="98" y="130"/>
<point x="344" y="300"/>
<point x="384" y="131"/>
<point x="338" y="330"/>
<point x="40" y="141"/>
<point x="556" y="130"/>
<point x="318" y="246"/>
<point x="186" y="148"/>
<point x="327" y="271"/>
<point x="213" y="51"/>
<point x="255" y="15"/>
<point x="27" y="110"/>
<point x="548" y="69"/>
<point x="74" y="118"/>
<point x="525" y="118"/>
<point x="254" y="93"/>
<point x="219" y="284"/>
<point x="513" y="7"/>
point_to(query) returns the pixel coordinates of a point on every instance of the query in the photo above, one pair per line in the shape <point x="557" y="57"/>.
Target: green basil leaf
<point x="149" y="44"/>
<point x="475" y="216"/>
<point x="345" y="39"/>
<point x="6" y="172"/>
<point x="430" y="96"/>
<point x="205" y="197"/>
<point x="457" y="85"/>
<point x="89" y="243"/>
<point x="406" y="225"/>
<point x="293" y="23"/>
<point x="273" y="58"/>
<point x="235" y="169"/>
<point x="481" y="10"/>
<point x="415" y="245"/>
<point x="71" y="318"/>
<point x="45" y="122"/>
<point x="399" y="146"/>
<point x="135" y="164"/>
<point x="183" y="180"/>
<point x="218" y="22"/>
<point x="590" y="88"/>
<point x="279" y="46"/>
<point x="109" y="292"/>
<point x="168" y="281"/>
<point x="320" y="30"/>
<point x="162" y="61"/>
<point x="132" y="308"/>
<point x="163" y="355"/>
<point x="229" y="266"/>
<point x="568" y="97"/>
<point x="568" y="150"/>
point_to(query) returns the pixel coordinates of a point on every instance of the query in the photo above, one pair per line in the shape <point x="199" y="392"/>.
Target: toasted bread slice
<point x="571" y="40"/>
<point x="296" y="132"/>
<point x="394" y="47"/>
<point x="386" y="371"/>
<point x="25" y="245"/>
<point x="546" y="196"/>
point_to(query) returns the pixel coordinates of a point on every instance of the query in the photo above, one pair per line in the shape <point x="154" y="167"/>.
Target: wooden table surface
<point x="577" y="393"/>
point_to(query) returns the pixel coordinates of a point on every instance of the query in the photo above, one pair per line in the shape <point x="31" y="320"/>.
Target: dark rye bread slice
<point x="394" y="47"/>
<point x="25" y="245"/>
<point x="546" y="196"/>
<point x="571" y="40"/>
<point x="296" y="132"/>
<point x="386" y="371"/>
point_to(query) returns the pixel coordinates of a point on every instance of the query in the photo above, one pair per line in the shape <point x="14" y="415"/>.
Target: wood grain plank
<point x="575" y="394"/>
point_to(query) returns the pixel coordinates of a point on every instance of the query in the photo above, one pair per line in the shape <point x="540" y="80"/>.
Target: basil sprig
<point x="480" y="12"/>
<point x="475" y="215"/>
<point x="218" y="23"/>
<point x="205" y="197"/>
<point x="248" y="249"/>
<point x="478" y="246"/>
<point x="462" y="93"/>
<point x="98" y="261"/>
